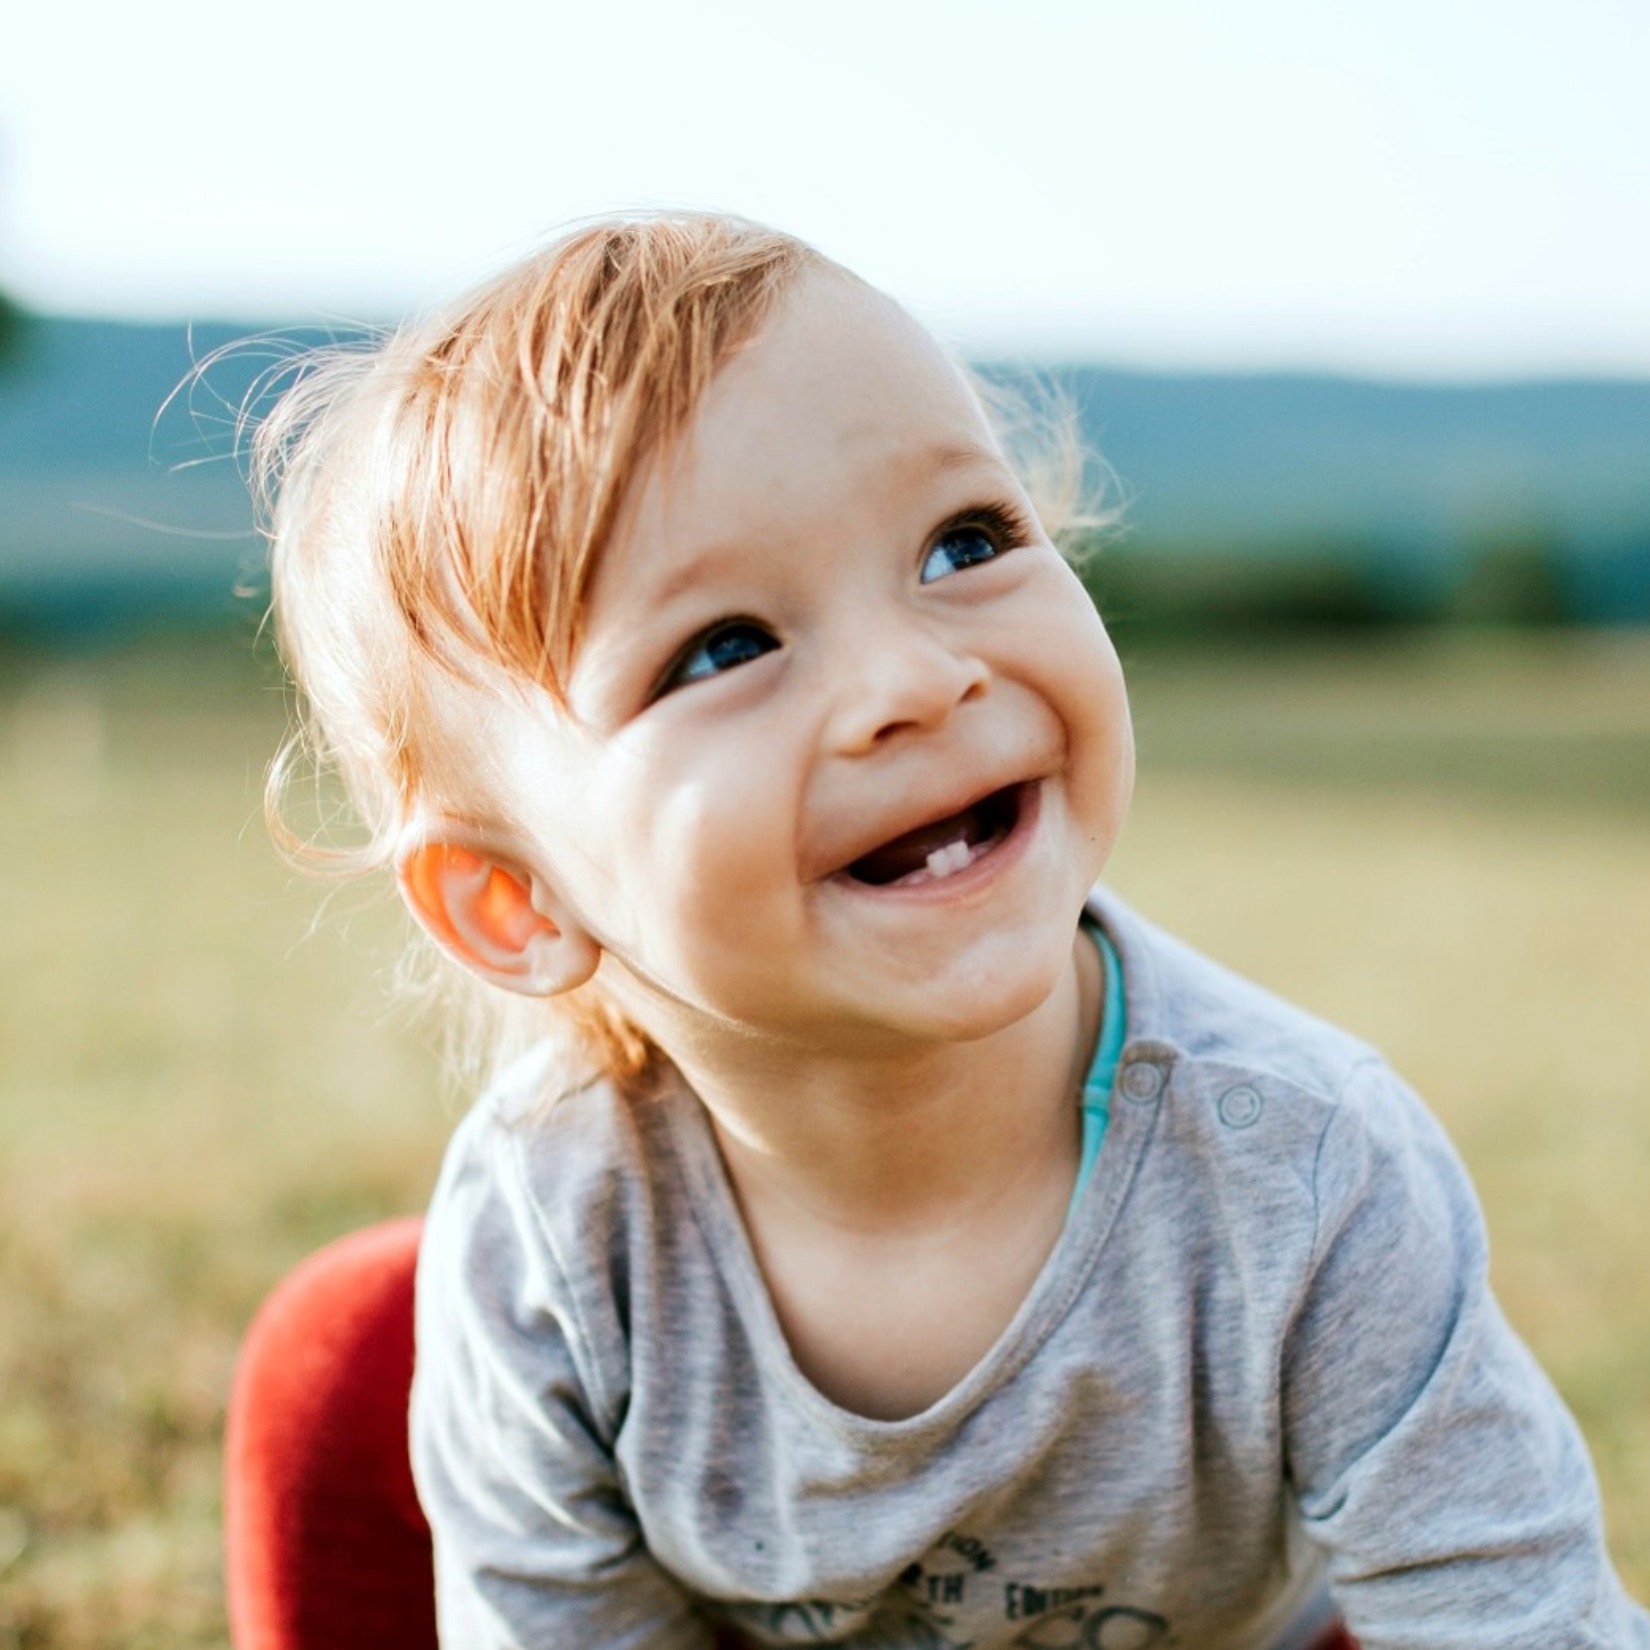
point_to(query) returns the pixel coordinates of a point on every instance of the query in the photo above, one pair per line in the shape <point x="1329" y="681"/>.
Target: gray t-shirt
<point x="1263" y="1357"/>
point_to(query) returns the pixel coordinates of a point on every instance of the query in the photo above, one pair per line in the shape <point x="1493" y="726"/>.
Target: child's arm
<point x="535" y="1540"/>
<point x="1429" y="1453"/>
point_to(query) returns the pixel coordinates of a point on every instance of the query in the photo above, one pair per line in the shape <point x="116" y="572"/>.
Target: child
<point x="883" y="1238"/>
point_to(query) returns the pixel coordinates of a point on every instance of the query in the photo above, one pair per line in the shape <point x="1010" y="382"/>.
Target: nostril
<point x="903" y="682"/>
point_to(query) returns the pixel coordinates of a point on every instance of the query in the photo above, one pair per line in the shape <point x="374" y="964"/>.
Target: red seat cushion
<point x="326" y="1547"/>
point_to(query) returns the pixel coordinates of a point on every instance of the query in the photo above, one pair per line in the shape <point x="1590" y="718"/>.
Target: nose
<point x="899" y="676"/>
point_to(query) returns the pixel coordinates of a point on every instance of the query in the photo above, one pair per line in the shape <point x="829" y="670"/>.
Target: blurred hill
<point x="120" y="502"/>
<point x="1319" y="499"/>
<point x="1247" y="499"/>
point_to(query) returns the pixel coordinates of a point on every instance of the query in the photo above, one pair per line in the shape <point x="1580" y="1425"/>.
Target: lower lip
<point x="1001" y="857"/>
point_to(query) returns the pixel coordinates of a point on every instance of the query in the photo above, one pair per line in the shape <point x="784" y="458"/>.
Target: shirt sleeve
<point x="536" y="1543"/>
<point x="1430" y="1456"/>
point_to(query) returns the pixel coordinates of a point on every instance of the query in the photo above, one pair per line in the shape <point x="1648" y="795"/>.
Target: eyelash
<point x="1006" y="526"/>
<point x="676" y="674"/>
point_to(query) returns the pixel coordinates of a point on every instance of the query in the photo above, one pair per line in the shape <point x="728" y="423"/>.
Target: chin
<point x="988" y="1000"/>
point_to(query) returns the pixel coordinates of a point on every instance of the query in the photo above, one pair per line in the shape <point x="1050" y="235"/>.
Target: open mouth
<point x="942" y="848"/>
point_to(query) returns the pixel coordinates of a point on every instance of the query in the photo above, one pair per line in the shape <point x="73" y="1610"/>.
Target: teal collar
<point x="1108" y="1051"/>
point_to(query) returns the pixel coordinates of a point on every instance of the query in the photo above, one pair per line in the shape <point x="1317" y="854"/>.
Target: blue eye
<point x="723" y="648"/>
<point x="982" y="534"/>
<point x="952" y="552"/>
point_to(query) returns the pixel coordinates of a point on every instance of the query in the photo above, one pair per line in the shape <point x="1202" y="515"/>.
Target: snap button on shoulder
<point x="1142" y="1081"/>
<point x="1240" y="1107"/>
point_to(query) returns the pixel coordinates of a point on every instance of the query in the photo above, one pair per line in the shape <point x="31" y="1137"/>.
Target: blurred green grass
<point x="1440" y="842"/>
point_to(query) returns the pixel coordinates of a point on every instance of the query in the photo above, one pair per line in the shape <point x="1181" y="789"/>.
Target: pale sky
<point x="1397" y="186"/>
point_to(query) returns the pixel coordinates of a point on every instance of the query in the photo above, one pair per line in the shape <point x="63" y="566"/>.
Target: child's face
<point x="849" y="743"/>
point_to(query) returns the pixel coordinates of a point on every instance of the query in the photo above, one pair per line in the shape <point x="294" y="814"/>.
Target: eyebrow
<point x="946" y="456"/>
<point x="698" y="566"/>
<point x="937" y="460"/>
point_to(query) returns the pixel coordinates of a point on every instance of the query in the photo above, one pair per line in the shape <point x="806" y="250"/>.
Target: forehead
<point x="839" y="384"/>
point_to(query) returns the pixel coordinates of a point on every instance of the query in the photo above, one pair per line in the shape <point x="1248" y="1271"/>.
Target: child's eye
<point x="979" y="535"/>
<point x="724" y="647"/>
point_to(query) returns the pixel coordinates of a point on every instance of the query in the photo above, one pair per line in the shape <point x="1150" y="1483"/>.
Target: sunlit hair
<point x="438" y="501"/>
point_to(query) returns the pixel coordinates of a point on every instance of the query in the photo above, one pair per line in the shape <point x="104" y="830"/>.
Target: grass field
<point x="1443" y="844"/>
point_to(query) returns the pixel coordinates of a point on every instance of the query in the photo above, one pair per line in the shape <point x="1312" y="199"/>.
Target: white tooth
<point x="947" y="861"/>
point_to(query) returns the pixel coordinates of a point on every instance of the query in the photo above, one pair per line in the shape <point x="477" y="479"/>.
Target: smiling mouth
<point x="942" y="848"/>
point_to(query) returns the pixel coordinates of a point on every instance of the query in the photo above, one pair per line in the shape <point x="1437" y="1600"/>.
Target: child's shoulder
<point x="561" y="1166"/>
<point x="1262" y="1090"/>
<point x="1196" y="1010"/>
<point x="555" y="1200"/>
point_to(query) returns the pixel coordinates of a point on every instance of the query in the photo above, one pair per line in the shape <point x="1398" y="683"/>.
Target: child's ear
<point x="485" y="914"/>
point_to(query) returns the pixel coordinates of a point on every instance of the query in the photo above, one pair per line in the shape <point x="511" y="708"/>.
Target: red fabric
<point x="326" y="1547"/>
<point x="1339" y="1639"/>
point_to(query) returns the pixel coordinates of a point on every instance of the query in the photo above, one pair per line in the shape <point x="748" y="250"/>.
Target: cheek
<point x="715" y="828"/>
<point x="1083" y="680"/>
<point x="1109" y="734"/>
<point x="1105" y="695"/>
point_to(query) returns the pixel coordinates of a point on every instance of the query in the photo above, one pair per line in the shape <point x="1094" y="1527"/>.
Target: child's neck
<point x="901" y="1209"/>
<point x="904" y="1139"/>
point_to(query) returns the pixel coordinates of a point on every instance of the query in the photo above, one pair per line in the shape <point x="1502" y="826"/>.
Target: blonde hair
<point x="437" y="503"/>
<point x="438" y="500"/>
